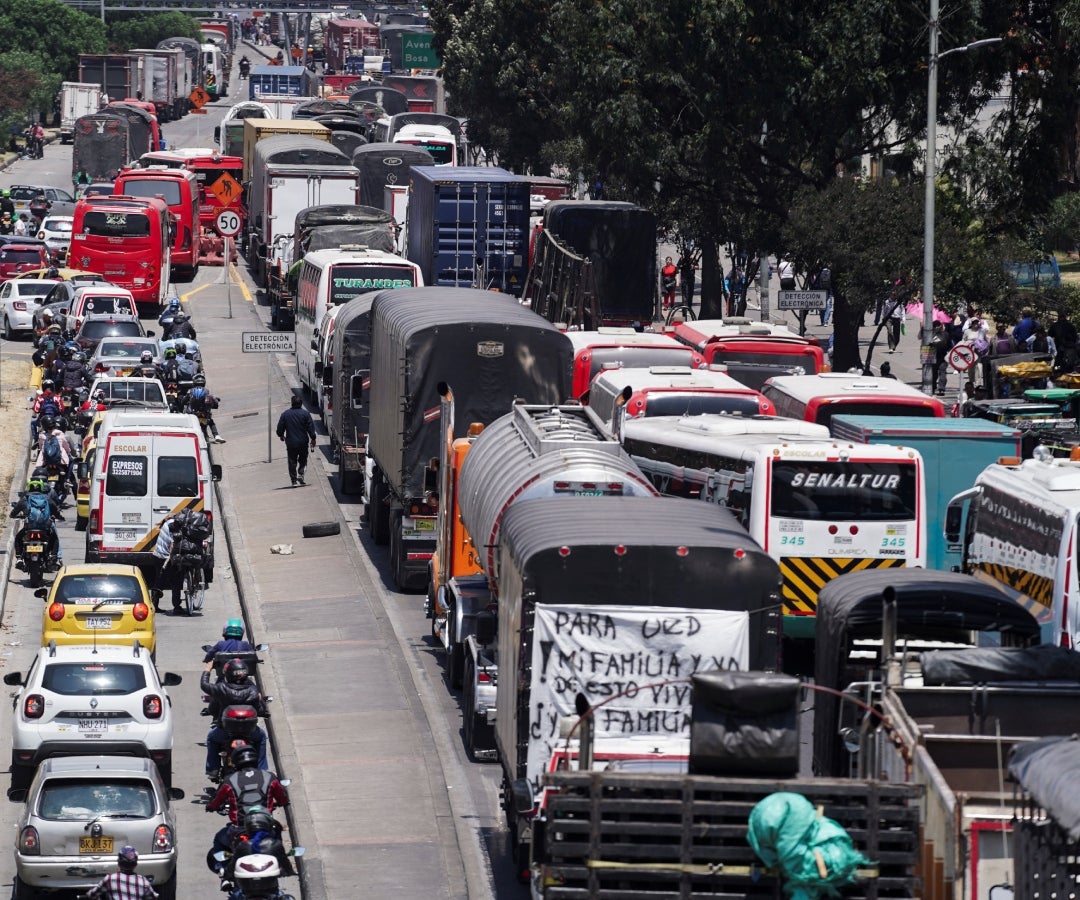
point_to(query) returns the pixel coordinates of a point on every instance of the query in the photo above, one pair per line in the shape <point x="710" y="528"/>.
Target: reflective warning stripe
<point x="1035" y="587"/>
<point x="147" y="543"/>
<point x="805" y="576"/>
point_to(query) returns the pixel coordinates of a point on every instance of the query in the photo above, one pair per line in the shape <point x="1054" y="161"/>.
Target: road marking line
<point x="184" y="297"/>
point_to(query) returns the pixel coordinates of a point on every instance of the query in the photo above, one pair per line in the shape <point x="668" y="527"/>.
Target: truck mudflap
<point x="621" y="835"/>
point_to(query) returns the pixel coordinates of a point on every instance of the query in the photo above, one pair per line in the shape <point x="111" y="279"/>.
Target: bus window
<point x="670" y="403"/>
<point x="826" y="411"/>
<point x="152" y="187"/>
<point x="116" y="224"/>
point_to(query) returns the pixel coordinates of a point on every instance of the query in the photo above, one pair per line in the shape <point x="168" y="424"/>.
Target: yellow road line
<point x="243" y="287"/>
<point x="235" y="280"/>
<point x="185" y="297"/>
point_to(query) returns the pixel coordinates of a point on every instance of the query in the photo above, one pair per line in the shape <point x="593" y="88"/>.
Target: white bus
<point x="333" y="278"/>
<point x="820" y="507"/>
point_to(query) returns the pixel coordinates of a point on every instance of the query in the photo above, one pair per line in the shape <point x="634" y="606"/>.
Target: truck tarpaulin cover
<point x="929" y="604"/>
<point x="982" y="665"/>
<point x="745" y="724"/>
<point x="486" y="346"/>
<point x="382" y="165"/>
<point x="786" y="832"/>
<point x="352" y="355"/>
<point x="309" y="109"/>
<point x="347" y="142"/>
<point x="587" y="648"/>
<point x="101" y="145"/>
<point x="1049" y="769"/>
<point x="139" y="121"/>
<point x="344" y="223"/>
<point x="391" y="101"/>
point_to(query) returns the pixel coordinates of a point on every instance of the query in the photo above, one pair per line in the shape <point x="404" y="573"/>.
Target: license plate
<point x="124" y="534"/>
<point x="424" y="524"/>
<point x="95" y="845"/>
<point x="35" y="548"/>
<point x="96" y="622"/>
<point x="93" y="724"/>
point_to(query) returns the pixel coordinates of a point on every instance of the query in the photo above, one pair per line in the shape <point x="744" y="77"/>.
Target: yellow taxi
<point x="105" y="603"/>
<point x="62" y="274"/>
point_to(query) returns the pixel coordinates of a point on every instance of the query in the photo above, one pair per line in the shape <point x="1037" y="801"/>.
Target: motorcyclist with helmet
<point x="259" y="832"/>
<point x="125" y="884"/>
<point x="47" y="403"/>
<point x="61" y="465"/>
<point x="165" y="320"/>
<point x="23" y="509"/>
<point x="232" y="641"/>
<point x="181" y="327"/>
<point x="245" y="67"/>
<point x="73" y="374"/>
<point x="248" y="786"/>
<point x="146" y="367"/>
<point x="200" y="402"/>
<point x="236" y="688"/>
<point x="187" y="363"/>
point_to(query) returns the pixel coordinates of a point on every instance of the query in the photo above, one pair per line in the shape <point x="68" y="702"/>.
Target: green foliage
<point x="1063" y="222"/>
<point x="52" y="31"/>
<point x="27" y="87"/>
<point x="139" y="31"/>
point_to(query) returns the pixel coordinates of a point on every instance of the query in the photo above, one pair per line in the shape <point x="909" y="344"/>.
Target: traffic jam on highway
<point x="566" y="600"/>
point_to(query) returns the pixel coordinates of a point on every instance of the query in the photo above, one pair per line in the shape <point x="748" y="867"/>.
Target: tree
<point x="27" y="87"/>
<point x="147" y="31"/>
<point x="53" y="31"/>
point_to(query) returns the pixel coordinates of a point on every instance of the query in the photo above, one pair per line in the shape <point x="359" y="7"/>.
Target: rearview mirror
<point x="150" y="333"/>
<point x="17" y="795"/>
<point x="13" y="678"/>
<point x="215" y="472"/>
<point x="522" y="794"/>
<point x="953" y="517"/>
<point x="485" y="629"/>
<point x="171" y="679"/>
<point x="1002" y="892"/>
<point x="176" y="793"/>
<point x="42" y="593"/>
<point x="356" y="391"/>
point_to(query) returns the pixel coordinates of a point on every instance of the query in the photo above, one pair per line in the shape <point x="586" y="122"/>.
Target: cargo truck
<point x="160" y="81"/>
<point x="468" y="226"/>
<point x="616" y="600"/>
<point x="229" y="135"/>
<point x="192" y="64"/>
<point x="347" y="38"/>
<point x="954" y="452"/>
<point x="76" y="100"/>
<point x="492" y="350"/>
<point x="102" y="145"/>
<point x="117" y="74"/>
<point x="533" y="451"/>
<point x="280" y="81"/>
<point x="256" y="130"/>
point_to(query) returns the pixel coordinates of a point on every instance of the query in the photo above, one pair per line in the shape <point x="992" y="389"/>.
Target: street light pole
<point x="931" y="179"/>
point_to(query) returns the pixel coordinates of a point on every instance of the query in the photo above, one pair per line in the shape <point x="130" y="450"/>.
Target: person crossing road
<point x="297" y="430"/>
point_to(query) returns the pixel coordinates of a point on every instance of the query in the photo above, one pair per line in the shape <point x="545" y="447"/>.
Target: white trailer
<point x="76" y="99"/>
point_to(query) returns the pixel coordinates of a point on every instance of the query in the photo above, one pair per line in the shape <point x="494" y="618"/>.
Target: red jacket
<point x="226" y="796"/>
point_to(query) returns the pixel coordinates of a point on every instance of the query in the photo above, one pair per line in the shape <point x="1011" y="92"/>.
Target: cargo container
<point x="76" y="100"/>
<point x="117" y="74"/>
<point x="280" y="81"/>
<point x="257" y="129"/>
<point x="469" y="227"/>
<point x="160" y="81"/>
<point x="425" y="93"/>
<point x="347" y="38"/>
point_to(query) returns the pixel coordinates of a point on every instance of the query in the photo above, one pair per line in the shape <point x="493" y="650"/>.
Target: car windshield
<point x="34" y="288"/>
<point x="121" y="391"/>
<point x="97" y="330"/>
<point x="103" y="304"/>
<point x="122" y="349"/>
<point x="80" y="799"/>
<point x="62" y="226"/>
<point x="24" y="193"/>
<point x="696" y="403"/>
<point x="20" y="257"/>
<point x="98" y="589"/>
<point x="101" y="679"/>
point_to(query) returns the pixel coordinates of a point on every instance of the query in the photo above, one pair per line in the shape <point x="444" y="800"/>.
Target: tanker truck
<point x="534" y="451"/>
<point x="494" y="351"/>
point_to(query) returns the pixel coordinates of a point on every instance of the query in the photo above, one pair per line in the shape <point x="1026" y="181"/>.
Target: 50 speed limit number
<point x="227" y="223"/>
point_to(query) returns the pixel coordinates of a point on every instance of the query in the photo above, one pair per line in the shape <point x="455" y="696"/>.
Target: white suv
<point x="80" y="699"/>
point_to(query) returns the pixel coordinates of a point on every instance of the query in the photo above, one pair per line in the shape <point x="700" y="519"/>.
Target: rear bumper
<point x="50" y="749"/>
<point x="79" y="872"/>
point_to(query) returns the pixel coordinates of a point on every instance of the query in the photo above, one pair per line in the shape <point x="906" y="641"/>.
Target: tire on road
<point x="321" y="529"/>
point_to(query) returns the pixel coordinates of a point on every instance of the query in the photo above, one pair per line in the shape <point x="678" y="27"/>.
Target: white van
<point x="148" y="466"/>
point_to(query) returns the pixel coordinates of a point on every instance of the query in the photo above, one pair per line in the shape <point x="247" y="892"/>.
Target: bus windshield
<point x="152" y="187"/>
<point x="442" y="154"/>
<point x="116" y="224"/>
<point x="350" y="280"/>
<point x="638" y="357"/>
<point x="843" y="491"/>
<point x="672" y="403"/>
<point x="882" y="407"/>
<point x="798" y="356"/>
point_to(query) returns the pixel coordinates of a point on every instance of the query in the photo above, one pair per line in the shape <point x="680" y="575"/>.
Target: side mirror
<point x="297" y="852"/>
<point x="284" y="782"/>
<point x="317" y="369"/>
<point x="1002" y="892"/>
<point x="356" y="391"/>
<point x="485" y="629"/>
<point x="217" y="134"/>
<point x="14" y="679"/>
<point x="176" y="793"/>
<point x="262" y="648"/>
<point x="17" y="795"/>
<point x="522" y="793"/>
<point x="150" y="333"/>
<point x="171" y="679"/>
<point x="42" y="593"/>
<point x="953" y="517"/>
<point x="80" y="471"/>
<point x="215" y="472"/>
<point x="206" y="648"/>
<point x="328" y="379"/>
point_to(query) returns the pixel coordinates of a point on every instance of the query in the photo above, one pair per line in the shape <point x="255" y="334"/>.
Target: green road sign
<point x="416" y="52"/>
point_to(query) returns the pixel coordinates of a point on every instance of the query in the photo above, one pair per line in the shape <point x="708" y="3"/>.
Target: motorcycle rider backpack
<point x="197" y="400"/>
<point x="38" y="513"/>
<point x="250" y="787"/>
<point x="51" y="454"/>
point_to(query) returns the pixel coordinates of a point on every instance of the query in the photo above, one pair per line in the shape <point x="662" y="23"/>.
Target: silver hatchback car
<point x="80" y="810"/>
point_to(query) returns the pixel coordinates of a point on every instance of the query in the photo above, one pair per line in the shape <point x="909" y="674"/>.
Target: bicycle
<point x="194" y="589"/>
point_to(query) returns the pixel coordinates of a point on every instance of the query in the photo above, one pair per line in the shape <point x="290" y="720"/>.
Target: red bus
<point x="219" y="179"/>
<point x="128" y="240"/>
<point x="754" y="352"/>
<point x="179" y="188"/>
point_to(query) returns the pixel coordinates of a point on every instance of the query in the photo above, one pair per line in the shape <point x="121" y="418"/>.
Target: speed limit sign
<point x="962" y="357"/>
<point x="227" y="223"/>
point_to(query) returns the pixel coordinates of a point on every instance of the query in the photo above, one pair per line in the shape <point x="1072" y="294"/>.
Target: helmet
<point x="78" y="356"/>
<point x="65" y="352"/>
<point x="35" y="484"/>
<point x="181" y="348"/>
<point x="258" y="818"/>
<point x="179" y="317"/>
<point x="170" y="353"/>
<point x="146" y="357"/>
<point x="99" y="395"/>
<point x="48" y="384"/>
<point x="245" y="757"/>
<point x="127" y="858"/>
<point x="234" y="628"/>
<point x="257" y="874"/>
<point x="236" y="671"/>
<point x="40" y="472"/>
<point x="47" y="423"/>
<point x="199" y="380"/>
<point x="53" y="272"/>
<point x="46" y="315"/>
<point x="174" y="303"/>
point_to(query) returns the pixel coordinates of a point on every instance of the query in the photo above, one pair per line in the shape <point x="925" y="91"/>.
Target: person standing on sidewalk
<point x="296" y="429"/>
<point x="895" y="322"/>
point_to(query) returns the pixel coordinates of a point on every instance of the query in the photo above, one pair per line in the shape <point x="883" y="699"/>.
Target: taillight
<point x="84" y="485"/>
<point x="56" y="611"/>
<point x="140" y="611"/>
<point x="240" y="714"/>
<point x="483" y="678"/>
<point x="19" y="305"/>
<point x="163" y="839"/>
<point x="34" y="706"/>
<point x="151" y="706"/>
<point x="185" y="243"/>
<point x="29" y="844"/>
<point x="92" y="522"/>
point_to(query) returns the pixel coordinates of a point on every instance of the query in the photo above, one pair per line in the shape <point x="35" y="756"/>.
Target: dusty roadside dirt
<point x="15" y="434"/>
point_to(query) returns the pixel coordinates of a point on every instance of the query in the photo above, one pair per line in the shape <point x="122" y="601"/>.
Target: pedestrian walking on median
<point x="296" y="429"/>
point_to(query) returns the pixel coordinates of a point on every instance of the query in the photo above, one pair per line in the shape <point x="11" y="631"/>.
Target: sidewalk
<point x="369" y="797"/>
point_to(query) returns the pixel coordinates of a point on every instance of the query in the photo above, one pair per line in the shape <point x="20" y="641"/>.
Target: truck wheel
<point x="321" y="529"/>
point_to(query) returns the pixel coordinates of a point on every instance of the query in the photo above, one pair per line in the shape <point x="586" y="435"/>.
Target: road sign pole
<point x="269" y="414"/>
<point x="228" y="278"/>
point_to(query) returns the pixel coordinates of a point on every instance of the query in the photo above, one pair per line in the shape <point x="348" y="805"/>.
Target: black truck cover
<point x="309" y="109"/>
<point x="391" y="101"/>
<point x="383" y="164"/>
<point x="140" y="133"/>
<point x="619" y="239"/>
<point x="101" y="145"/>
<point x="929" y="604"/>
<point x="335" y="224"/>
<point x="490" y="348"/>
<point x="1049" y="770"/>
<point x="352" y="356"/>
<point x="338" y="122"/>
<point x="296" y="150"/>
<point x="987" y="665"/>
<point x="348" y="142"/>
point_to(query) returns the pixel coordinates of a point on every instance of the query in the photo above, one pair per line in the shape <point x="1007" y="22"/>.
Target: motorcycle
<point x="251" y="657"/>
<point x="172" y="395"/>
<point x="34" y="557"/>
<point x="255" y="877"/>
<point x="239" y="722"/>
